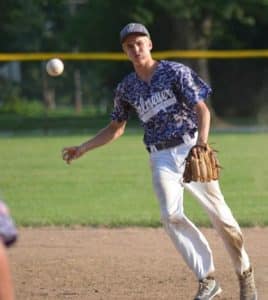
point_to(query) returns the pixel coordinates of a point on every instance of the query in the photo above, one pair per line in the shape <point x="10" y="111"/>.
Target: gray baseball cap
<point x="133" y="28"/>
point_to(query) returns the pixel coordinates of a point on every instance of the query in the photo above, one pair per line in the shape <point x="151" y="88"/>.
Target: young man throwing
<point x="168" y="98"/>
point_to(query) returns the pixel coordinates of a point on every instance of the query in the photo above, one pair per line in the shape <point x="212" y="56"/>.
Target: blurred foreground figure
<point x="8" y="235"/>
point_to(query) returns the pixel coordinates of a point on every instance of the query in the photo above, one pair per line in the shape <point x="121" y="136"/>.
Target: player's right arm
<point x="108" y="134"/>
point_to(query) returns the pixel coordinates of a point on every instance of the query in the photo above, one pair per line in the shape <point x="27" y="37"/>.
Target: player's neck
<point x="145" y="71"/>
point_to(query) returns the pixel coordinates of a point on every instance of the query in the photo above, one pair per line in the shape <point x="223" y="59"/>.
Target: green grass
<point x="111" y="186"/>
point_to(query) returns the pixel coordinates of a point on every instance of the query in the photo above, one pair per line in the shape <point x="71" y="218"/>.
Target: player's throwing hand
<point x="71" y="153"/>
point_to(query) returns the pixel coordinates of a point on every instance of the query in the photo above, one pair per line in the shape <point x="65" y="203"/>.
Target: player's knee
<point x="172" y="218"/>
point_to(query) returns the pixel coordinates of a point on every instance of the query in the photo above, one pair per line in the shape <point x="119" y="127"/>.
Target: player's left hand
<point x="201" y="164"/>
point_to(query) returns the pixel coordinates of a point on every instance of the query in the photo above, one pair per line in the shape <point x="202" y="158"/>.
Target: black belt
<point x="165" y="145"/>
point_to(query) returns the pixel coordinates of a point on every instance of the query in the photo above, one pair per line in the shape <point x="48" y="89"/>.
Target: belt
<point x="164" y="145"/>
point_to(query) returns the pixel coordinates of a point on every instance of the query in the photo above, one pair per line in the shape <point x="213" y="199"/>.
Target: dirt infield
<point x="115" y="264"/>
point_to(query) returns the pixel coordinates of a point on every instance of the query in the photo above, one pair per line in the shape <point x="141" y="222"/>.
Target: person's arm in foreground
<point x="108" y="134"/>
<point x="8" y="236"/>
<point x="6" y="287"/>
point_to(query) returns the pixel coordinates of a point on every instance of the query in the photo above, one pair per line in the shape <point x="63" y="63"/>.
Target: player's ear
<point x="150" y="44"/>
<point x="124" y="48"/>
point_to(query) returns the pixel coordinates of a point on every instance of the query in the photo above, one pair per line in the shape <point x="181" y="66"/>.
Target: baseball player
<point x="169" y="99"/>
<point x="8" y="235"/>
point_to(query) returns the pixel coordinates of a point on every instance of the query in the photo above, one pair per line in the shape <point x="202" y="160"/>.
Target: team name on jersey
<point x="151" y="106"/>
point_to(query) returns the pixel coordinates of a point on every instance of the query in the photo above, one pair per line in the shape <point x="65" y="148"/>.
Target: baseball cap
<point x="133" y="28"/>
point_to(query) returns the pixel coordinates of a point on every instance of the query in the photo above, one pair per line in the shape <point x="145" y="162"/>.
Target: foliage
<point x="13" y="103"/>
<point x="32" y="25"/>
<point x="94" y="25"/>
<point x="23" y="107"/>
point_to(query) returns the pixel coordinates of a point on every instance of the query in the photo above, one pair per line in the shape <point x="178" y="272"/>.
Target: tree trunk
<point x="78" y="91"/>
<point x="48" y="93"/>
<point x="77" y="75"/>
<point x="195" y="36"/>
<point x="191" y="36"/>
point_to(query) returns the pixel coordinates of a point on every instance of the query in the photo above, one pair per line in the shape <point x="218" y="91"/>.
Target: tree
<point x="195" y="24"/>
<point x="218" y="24"/>
<point x="33" y="26"/>
<point x="40" y="25"/>
<point x="174" y="24"/>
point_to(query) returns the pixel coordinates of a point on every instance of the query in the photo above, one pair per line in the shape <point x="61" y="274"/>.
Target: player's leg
<point x="187" y="238"/>
<point x="167" y="168"/>
<point x="212" y="199"/>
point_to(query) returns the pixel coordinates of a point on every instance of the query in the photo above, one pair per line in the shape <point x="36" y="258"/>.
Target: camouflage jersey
<point x="165" y="104"/>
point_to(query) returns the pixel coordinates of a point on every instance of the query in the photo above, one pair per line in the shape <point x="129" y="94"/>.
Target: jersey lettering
<point x="147" y="108"/>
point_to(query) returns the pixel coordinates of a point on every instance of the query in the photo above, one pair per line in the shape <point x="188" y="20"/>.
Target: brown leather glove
<point x="201" y="164"/>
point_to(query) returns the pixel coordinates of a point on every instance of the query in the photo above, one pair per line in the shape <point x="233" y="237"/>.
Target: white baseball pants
<point x="167" y="169"/>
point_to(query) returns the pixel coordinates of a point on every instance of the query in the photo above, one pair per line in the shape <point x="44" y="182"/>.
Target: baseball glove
<point x="201" y="164"/>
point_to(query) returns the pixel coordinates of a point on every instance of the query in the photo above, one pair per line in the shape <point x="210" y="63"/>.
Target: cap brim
<point x="133" y="33"/>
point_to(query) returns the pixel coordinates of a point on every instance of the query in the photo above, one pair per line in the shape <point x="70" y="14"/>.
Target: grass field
<point x="112" y="185"/>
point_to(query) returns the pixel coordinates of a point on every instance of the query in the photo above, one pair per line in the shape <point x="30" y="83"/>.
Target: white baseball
<point x="54" y="67"/>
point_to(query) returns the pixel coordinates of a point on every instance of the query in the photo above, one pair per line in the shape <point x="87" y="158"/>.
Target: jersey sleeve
<point x="8" y="230"/>
<point x="121" y="106"/>
<point x="192" y="87"/>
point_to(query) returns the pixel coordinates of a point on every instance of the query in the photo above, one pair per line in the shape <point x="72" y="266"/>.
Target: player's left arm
<point x="203" y="117"/>
<point x="202" y="164"/>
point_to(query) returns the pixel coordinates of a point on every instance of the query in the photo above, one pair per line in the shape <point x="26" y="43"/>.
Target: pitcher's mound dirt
<point x="121" y="264"/>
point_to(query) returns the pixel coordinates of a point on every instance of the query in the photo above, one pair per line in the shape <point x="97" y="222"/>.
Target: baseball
<point x="54" y="67"/>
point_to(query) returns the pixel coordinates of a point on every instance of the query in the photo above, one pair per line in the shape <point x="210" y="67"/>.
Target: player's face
<point x="138" y="48"/>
